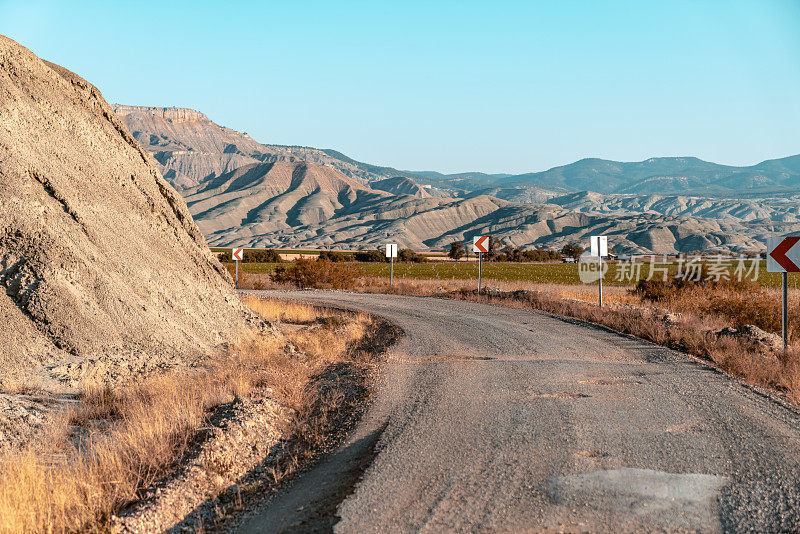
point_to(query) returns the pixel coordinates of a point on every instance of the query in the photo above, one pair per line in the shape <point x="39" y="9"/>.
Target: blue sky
<point x="450" y="86"/>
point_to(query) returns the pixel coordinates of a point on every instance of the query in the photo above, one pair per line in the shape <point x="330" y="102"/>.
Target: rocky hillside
<point x="309" y="205"/>
<point x="102" y="267"/>
<point x="244" y="192"/>
<point x="401" y="185"/>
<point x="191" y="149"/>
<point x="777" y="209"/>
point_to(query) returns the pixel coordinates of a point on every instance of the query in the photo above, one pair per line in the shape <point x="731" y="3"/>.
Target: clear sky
<point x="494" y="86"/>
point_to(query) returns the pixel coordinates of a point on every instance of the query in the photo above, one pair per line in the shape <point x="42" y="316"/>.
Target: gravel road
<point x="498" y="419"/>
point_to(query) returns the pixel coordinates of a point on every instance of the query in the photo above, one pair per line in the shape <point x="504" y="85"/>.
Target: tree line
<point x="499" y="252"/>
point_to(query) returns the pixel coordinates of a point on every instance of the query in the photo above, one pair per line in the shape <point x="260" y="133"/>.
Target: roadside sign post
<point x="238" y="255"/>
<point x="480" y="271"/>
<point x="599" y="248"/>
<point x="783" y="256"/>
<point x="480" y="244"/>
<point x="391" y="253"/>
<point x="785" y="322"/>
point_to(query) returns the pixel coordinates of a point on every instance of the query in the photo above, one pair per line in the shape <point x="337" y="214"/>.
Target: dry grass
<point x="283" y="311"/>
<point x="114" y="443"/>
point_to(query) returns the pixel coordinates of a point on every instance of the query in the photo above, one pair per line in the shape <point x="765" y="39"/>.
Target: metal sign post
<point x="600" y="280"/>
<point x="785" y="299"/>
<point x="599" y="248"/>
<point x="480" y="245"/>
<point x="238" y="255"/>
<point x="391" y="253"/>
<point x="480" y="271"/>
<point x="783" y="256"/>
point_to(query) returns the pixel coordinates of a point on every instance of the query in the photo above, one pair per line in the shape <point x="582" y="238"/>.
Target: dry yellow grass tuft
<point x="283" y="311"/>
<point x="102" y="453"/>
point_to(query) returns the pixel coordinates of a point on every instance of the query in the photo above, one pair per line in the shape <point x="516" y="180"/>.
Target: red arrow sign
<point x="238" y="254"/>
<point x="779" y="254"/>
<point x="480" y="243"/>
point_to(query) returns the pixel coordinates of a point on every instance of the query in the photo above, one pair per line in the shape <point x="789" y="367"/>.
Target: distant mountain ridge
<point x="244" y="192"/>
<point x="669" y="175"/>
<point x="308" y="205"/>
<point x="190" y="148"/>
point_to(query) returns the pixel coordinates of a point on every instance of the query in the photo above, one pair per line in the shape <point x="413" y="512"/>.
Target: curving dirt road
<point x="499" y="419"/>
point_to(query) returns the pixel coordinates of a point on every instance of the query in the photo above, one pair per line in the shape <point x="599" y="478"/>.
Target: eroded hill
<point x="286" y="204"/>
<point x="259" y="195"/>
<point x="102" y="267"/>
<point x="191" y="149"/>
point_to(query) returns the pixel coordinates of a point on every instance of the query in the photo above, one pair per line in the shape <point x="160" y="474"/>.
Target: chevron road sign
<point x="480" y="243"/>
<point x="783" y="254"/>
<point x="238" y="255"/>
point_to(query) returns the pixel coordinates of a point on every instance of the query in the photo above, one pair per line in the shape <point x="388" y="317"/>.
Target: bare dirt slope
<point x="102" y="268"/>
<point x="497" y="419"/>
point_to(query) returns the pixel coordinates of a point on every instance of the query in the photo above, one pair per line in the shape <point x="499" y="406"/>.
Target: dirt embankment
<point x="103" y="274"/>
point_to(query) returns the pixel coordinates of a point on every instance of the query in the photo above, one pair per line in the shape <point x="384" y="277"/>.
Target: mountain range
<point x="243" y="192"/>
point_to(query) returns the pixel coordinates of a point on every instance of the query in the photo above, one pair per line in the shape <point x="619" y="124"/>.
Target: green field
<point x="227" y="250"/>
<point x="559" y="273"/>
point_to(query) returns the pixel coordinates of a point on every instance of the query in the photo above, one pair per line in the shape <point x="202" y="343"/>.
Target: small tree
<point x="572" y="250"/>
<point x="494" y="249"/>
<point x="456" y="250"/>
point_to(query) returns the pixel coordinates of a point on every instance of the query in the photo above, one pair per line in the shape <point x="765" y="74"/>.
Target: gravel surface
<point x="499" y="419"/>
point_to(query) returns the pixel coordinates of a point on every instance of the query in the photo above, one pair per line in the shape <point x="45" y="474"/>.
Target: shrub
<point x="373" y="256"/>
<point x="655" y="290"/>
<point x="409" y="255"/>
<point x="323" y="274"/>
<point x="262" y="256"/>
<point x="330" y="255"/>
<point x="660" y="290"/>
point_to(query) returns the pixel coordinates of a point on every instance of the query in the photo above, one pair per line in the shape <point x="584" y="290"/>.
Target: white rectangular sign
<point x="238" y="254"/>
<point x="391" y="250"/>
<point x="599" y="246"/>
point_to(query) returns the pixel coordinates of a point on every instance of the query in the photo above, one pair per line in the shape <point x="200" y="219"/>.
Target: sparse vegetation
<point x="619" y="273"/>
<point x="130" y="437"/>
<point x="320" y="273"/>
